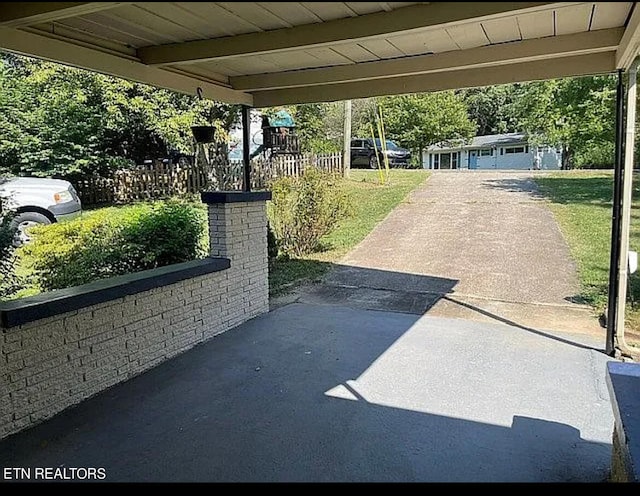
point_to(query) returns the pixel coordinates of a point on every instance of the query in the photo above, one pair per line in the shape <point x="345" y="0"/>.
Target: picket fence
<point x="162" y="179"/>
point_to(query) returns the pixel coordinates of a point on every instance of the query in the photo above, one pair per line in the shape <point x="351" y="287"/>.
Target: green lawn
<point x="581" y="203"/>
<point x="372" y="202"/>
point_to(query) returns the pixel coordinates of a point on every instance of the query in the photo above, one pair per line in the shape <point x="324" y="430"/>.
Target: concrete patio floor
<point x="329" y="393"/>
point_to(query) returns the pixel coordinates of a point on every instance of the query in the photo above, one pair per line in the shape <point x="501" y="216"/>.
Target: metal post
<point x="246" y="148"/>
<point x="626" y="206"/>
<point x="346" y="158"/>
<point x="614" y="261"/>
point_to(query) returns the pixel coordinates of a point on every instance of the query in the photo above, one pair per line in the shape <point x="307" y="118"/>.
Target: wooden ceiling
<point x="270" y="53"/>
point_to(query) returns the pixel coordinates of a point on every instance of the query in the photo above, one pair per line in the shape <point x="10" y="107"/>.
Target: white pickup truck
<point x="38" y="201"/>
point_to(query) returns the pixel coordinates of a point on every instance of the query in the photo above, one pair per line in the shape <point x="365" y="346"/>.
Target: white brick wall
<point x="51" y="364"/>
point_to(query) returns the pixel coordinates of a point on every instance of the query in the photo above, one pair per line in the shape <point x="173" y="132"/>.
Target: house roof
<point x="485" y="141"/>
<point x="276" y="53"/>
<point x="497" y="139"/>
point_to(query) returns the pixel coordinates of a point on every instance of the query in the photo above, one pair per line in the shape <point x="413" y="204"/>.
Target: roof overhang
<point x="271" y="53"/>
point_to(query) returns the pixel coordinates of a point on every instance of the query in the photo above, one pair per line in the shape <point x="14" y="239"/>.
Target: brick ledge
<point x="25" y="310"/>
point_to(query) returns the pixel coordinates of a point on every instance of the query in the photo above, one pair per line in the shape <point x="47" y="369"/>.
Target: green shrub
<point x="113" y="241"/>
<point x="595" y="156"/>
<point x="306" y="208"/>
<point x="9" y="282"/>
<point x="272" y="244"/>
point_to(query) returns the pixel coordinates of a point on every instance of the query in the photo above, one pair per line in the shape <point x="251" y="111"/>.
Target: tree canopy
<point x="58" y="120"/>
<point x="419" y="120"/>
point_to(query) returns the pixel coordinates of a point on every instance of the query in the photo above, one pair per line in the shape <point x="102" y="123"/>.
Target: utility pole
<point x="627" y="191"/>
<point x="346" y="158"/>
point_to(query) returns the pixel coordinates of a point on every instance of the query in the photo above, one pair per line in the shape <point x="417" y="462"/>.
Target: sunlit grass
<point x="372" y="202"/>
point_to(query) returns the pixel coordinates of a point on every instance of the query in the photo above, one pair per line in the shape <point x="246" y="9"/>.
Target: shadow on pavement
<point x="305" y="393"/>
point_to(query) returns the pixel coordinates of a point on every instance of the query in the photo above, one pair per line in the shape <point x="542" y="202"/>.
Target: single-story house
<point x="510" y="151"/>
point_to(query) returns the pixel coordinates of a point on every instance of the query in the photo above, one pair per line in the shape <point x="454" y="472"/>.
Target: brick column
<point x="238" y="231"/>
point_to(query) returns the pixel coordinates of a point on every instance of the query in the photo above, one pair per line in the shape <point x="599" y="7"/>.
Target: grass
<point x="581" y="203"/>
<point x="372" y="202"/>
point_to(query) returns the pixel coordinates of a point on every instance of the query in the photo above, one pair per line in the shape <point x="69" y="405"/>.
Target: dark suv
<point x="364" y="153"/>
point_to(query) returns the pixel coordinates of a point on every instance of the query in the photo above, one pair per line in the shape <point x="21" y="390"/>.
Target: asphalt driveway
<point x="473" y="245"/>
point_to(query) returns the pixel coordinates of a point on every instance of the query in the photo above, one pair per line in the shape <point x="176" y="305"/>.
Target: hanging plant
<point x="203" y="134"/>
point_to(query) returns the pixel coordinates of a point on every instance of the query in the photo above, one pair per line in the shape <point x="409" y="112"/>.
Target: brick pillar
<point x="238" y="231"/>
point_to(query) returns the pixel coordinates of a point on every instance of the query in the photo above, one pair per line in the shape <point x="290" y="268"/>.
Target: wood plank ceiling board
<point x="361" y="8"/>
<point x="138" y="15"/>
<point x="291" y="60"/>
<point x="502" y="30"/>
<point x="253" y="64"/>
<point x="201" y="72"/>
<point x="329" y="11"/>
<point x="198" y="22"/>
<point x="327" y="56"/>
<point x="468" y="35"/>
<point x="220" y="67"/>
<point x="414" y="43"/>
<point x="381" y="48"/>
<point x="438" y="40"/>
<point x="399" y="5"/>
<point x="354" y="52"/>
<point x="426" y="41"/>
<point x="109" y="33"/>
<point x="292" y="12"/>
<point x="83" y="37"/>
<point x="116" y="23"/>
<point x="573" y="19"/>
<point x="211" y="20"/>
<point x="255" y="14"/>
<point x="536" y="24"/>
<point x="610" y="14"/>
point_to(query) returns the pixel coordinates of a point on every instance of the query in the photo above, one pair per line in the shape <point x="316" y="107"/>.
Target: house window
<point x="514" y="149"/>
<point x="454" y="160"/>
<point x="486" y="152"/>
<point x="436" y="161"/>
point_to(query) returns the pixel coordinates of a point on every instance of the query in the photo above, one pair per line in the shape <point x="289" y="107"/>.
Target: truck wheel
<point x="373" y="163"/>
<point x="23" y="221"/>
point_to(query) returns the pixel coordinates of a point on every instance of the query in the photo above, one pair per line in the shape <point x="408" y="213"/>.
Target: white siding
<point x="550" y="159"/>
<point x="514" y="161"/>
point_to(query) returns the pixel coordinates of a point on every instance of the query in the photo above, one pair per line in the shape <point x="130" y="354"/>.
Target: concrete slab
<point x="329" y="393"/>
<point x="485" y="238"/>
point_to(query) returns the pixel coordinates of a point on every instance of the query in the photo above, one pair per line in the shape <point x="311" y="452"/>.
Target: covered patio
<point x="318" y="393"/>
<point x="307" y="392"/>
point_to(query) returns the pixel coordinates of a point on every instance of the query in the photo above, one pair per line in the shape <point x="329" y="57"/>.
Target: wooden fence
<point x="165" y="179"/>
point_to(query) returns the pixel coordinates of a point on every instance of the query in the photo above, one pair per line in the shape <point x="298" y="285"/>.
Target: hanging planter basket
<point x="203" y="134"/>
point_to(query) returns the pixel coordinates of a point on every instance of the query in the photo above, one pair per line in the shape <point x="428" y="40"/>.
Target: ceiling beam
<point x="35" y="45"/>
<point x="630" y="43"/>
<point x="15" y="14"/>
<point x="506" y="53"/>
<point x="597" y="63"/>
<point x="403" y="20"/>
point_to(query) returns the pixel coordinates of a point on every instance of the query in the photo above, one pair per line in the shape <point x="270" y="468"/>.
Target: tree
<point x="575" y="113"/>
<point x="420" y="120"/>
<point x="62" y="121"/>
<point x="492" y="108"/>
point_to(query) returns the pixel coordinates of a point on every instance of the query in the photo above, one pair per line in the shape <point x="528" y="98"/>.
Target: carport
<point x="273" y="53"/>
<point x="269" y="54"/>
